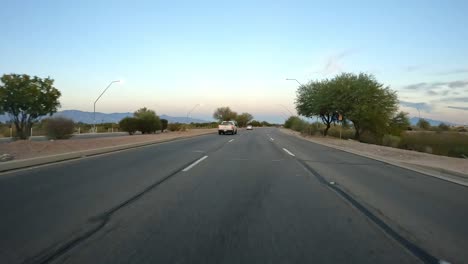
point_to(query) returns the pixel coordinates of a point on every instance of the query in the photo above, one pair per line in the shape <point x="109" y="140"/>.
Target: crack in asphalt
<point x="414" y="249"/>
<point x="54" y="252"/>
<point x="417" y="251"/>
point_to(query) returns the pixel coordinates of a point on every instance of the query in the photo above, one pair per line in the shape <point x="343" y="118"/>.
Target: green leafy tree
<point x="129" y="124"/>
<point x="265" y="124"/>
<point x="317" y="98"/>
<point x="399" y="123"/>
<point x="255" y="123"/>
<point x="423" y="124"/>
<point x="243" y="119"/>
<point x="164" y="123"/>
<point x="364" y="101"/>
<point x="148" y="121"/>
<point x="224" y="114"/>
<point x="26" y="99"/>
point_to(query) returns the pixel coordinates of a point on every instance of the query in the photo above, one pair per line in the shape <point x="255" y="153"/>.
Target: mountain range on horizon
<point x="87" y="117"/>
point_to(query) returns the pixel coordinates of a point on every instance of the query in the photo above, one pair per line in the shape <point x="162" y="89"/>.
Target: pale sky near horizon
<point x="172" y="55"/>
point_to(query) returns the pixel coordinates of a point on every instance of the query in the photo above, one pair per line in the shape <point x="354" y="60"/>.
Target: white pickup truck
<point x="227" y="127"/>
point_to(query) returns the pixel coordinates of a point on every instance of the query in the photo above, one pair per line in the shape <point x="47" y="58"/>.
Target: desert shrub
<point x="370" y="138"/>
<point x="311" y="129"/>
<point x="444" y="143"/>
<point x="299" y="125"/>
<point x="129" y="124"/>
<point x="423" y="124"/>
<point x="59" y="128"/>
<point x="287" y="124"/>
<point x="334" y="131"/>
<point x="176" y="127"/>
<point x="391" y="141"/>
<point x="444" y="127"/>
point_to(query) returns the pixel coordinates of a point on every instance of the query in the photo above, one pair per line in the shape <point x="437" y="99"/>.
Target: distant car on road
<point x="249" y="127"/>
<point x="227" y="127"/>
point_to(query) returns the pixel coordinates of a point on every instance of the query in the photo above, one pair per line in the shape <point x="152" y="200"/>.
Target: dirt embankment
<point x="25" y="149"/>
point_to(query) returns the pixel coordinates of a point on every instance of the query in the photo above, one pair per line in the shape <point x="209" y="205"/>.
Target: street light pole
<point x="189" y="112"/>
<point x="94" y="111"/>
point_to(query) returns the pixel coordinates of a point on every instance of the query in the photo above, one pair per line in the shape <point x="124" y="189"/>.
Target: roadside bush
<point x="444" y="127"/>
<point x="129" y="124"/>
<point x="59" y="128"/>
<point x="334" y="131"/>
<point x="444" y="143"/>
<point x="311" y="129"/>
<point x="148" y="124"/>
<point x="391" y="141"/>
<point x="299" y="125"/>
<point x="370" y="138"/>
<point x="176" y="127"/>
<point x="287" y="124"/>
<point x="423" y="124"/>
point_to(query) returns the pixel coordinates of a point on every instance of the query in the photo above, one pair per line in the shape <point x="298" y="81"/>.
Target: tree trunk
<point x="325" y="132"/>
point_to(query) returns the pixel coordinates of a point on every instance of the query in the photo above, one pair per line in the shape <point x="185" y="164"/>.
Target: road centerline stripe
<point x="194" y="164"/>
<point x="289" y="152"/>
<point x="231" y="140"/>
<point x="271" y="139"/>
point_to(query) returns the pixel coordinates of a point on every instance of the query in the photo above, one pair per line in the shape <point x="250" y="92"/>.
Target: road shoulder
<point x="41" y="153"/>
<point x="445" y="168"/>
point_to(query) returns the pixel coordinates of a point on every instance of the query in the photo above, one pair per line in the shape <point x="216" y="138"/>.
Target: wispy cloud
<point x="420" y="105"/>
<point x="458" y="84"/>
<point x="458" y="107"/>
<point x="455" y="100"/>
<point x="413" y="68"/>
<point x="432" y="93"/>
<point x="416" y="86"/>
<point x="454" y="71"/>
<point x="333" y="63"/>
<point x="434" y="85"/>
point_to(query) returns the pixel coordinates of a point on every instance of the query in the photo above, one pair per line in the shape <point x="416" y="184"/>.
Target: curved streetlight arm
<point x="287" y="79"/>
<point x="94" y="110"/>
<point x="191" y="110"/>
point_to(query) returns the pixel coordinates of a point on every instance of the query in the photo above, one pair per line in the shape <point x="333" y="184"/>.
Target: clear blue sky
<point x="175" y="54"/>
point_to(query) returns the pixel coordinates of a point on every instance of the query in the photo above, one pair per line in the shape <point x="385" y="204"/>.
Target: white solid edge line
<point x="289" y="152"/>
<point x="195" y="163"/>
<point x="231" y="140"/>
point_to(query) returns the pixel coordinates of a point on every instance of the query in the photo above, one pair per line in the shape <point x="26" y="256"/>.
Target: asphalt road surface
<point x="257" y="197"/>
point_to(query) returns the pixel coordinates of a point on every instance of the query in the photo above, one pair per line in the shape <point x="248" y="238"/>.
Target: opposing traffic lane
<point x="247" y="202"/>
<point x="45" y="207"/>
<point x="428" y="211"/>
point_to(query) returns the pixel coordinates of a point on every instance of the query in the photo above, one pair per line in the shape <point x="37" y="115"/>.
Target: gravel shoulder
<point x="25" y="149"/>
<point x="417" y="160"/>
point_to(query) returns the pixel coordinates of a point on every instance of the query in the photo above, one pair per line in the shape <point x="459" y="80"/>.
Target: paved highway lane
<point x="45" y="207"/>
<point x="211" y="199"/>
<point x="430" y="212"/>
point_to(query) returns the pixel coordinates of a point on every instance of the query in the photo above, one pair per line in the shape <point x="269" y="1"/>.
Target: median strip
<point x="194" y="164"/>
<point x="289" y="152"/>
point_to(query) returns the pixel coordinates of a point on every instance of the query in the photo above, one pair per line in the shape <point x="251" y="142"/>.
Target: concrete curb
<point x="26" y="163"/>
<point x="440" y="173"/>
